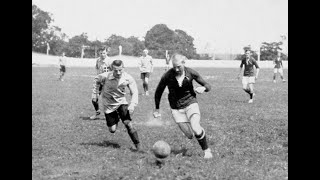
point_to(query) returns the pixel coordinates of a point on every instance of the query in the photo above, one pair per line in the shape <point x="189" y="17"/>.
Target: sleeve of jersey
<point x="241" y="64"/>
<point x="201" y="81"/>
<point x="134" y="91"/>
<point x="160" y="88"/>
<point x="256" y="64"/>
<point x="96" y="85"/>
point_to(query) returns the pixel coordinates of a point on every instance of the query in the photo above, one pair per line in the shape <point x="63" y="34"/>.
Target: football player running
<point x="248" y="78"/>
<point x="115" y="105"/>
<point x="182" y="99"/>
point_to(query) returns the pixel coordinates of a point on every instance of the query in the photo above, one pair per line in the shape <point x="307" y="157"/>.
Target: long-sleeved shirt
<point x="102" y="65"/>
<point x="145" y="64"/>
<point x="113" y="90"/>
<point x="182" y="94"/>
<point x="248" y="66"/>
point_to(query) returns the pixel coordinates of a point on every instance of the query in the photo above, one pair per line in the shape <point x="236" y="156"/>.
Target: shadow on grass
<point x="87" y="118"/>
<point x="183" y="151"/>
<point x="103" y="144"/>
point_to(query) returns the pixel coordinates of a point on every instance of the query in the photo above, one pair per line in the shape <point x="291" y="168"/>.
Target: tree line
<point x="157" y="40"/>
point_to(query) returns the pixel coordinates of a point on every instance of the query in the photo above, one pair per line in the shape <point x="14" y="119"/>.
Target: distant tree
<point x="160" y="38"/>
<point x="269" y="51"/>
<point x="40" y="23"/>
<point x="75" y="45"/>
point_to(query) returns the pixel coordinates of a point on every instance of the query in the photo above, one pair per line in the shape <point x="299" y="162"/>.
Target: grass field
<point x="250" y="141"/>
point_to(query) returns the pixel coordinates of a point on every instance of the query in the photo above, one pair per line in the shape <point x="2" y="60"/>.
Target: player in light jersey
<point x="182" y="99"/>
<point x="278" y="68"/>
<point x="249" y="77"/>
<point x="62" y="64"/>
<point x="146" y="68"/>
<point x="102" y="65"/>
<point x="115" y="105"/>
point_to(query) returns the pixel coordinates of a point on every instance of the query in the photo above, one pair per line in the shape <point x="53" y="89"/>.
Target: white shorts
<point x="183" y="115"/>
<point x="275" y="70"/>
<point x="248" y="80"/>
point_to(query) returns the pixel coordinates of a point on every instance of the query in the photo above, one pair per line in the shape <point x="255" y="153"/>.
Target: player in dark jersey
<point x="182" y="99"/>
<point x="62" y="64"/>
<point x="278" y="68"/>
<point x="249" y="77"/>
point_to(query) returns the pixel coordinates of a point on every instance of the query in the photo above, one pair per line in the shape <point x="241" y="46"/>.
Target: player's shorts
<point x="122" y="112"/>
<point x="275" y="70"/>
<point x="184" y="115"/>
<point x="145" y="75"/>
<point x="62" y="68"/>
<point x="248" y="80"/>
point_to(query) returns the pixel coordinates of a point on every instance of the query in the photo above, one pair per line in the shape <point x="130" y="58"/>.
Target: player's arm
<point x="96" y="85"/>
<point x="257" y="68"/>
<point x="151" y="62"/>
<point x="241" y="67"/>
<point x="134" y="94"/>
<point x="158" y="93"/>
<point x="206" y="87"/>
<point x="97" y="66"/>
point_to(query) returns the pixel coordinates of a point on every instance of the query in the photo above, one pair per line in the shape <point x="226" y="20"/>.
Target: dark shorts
<point x="145" y="75"/>
<point x="121" y="113"/>
<point x="62" y="68"/>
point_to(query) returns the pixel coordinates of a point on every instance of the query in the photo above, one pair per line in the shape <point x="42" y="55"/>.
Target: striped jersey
<point x="113" y="90"/>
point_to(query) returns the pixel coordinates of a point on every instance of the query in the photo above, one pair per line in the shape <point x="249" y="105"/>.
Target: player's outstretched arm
<point x="134" y="94"/>
<point x="96" y="85"/>
<point x="158" y="93"/>
<point x="206" y="86"/>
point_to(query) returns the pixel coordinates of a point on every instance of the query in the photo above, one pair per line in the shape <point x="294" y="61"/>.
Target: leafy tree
<point x="40" y="23"/>
<point x="75" y="45"/>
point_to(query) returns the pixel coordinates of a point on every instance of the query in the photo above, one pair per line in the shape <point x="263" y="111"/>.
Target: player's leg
<point x="96" y="106"/>
<point x="182" y="121"/>
<point x="245" y="81"/>
<point x="275" y="71"/>
<point x="126" y="119"/>
<point x="146" y="80"/>
<point x="281" y="74"/>
<point x="112" y="120"/>
<point x="193" y="114"/>
<point x="142" y="76"/>
<point x="251" y="92"/>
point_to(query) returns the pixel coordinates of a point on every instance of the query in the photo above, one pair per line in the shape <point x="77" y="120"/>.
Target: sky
<point x="216" y="25"/>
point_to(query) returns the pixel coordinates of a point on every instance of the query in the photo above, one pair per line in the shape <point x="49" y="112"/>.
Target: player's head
<point x="145" y="52"/>
<point x="117" y="68"/>
<point x="63" y="53"/>
<point x="103" y="53"/>
<point x="247" y="52"/>
<point x="178" y="62"/>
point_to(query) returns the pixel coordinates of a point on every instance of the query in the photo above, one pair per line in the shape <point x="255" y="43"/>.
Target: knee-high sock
<point x="202" y="140"/>
<point x="95" y="105"/>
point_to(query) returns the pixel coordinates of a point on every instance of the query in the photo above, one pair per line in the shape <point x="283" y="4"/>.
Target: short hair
<point x="103" y="49"/>
<point x="117" y="62"/>
<point x="145" y="50"/>
<point x="248" y="50"/>
<point x="177" y="56"/>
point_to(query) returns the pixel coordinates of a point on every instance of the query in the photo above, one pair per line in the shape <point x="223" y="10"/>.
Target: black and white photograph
<point x="160" y="89"/>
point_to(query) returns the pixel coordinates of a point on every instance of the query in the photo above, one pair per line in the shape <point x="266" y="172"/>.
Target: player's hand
<point x="131" y="108"/>
<point x="200" y="89"/>
<point x="156" y="113"/>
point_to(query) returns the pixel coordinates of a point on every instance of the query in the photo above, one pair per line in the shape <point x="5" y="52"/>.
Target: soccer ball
<point x="161" y="149"/>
